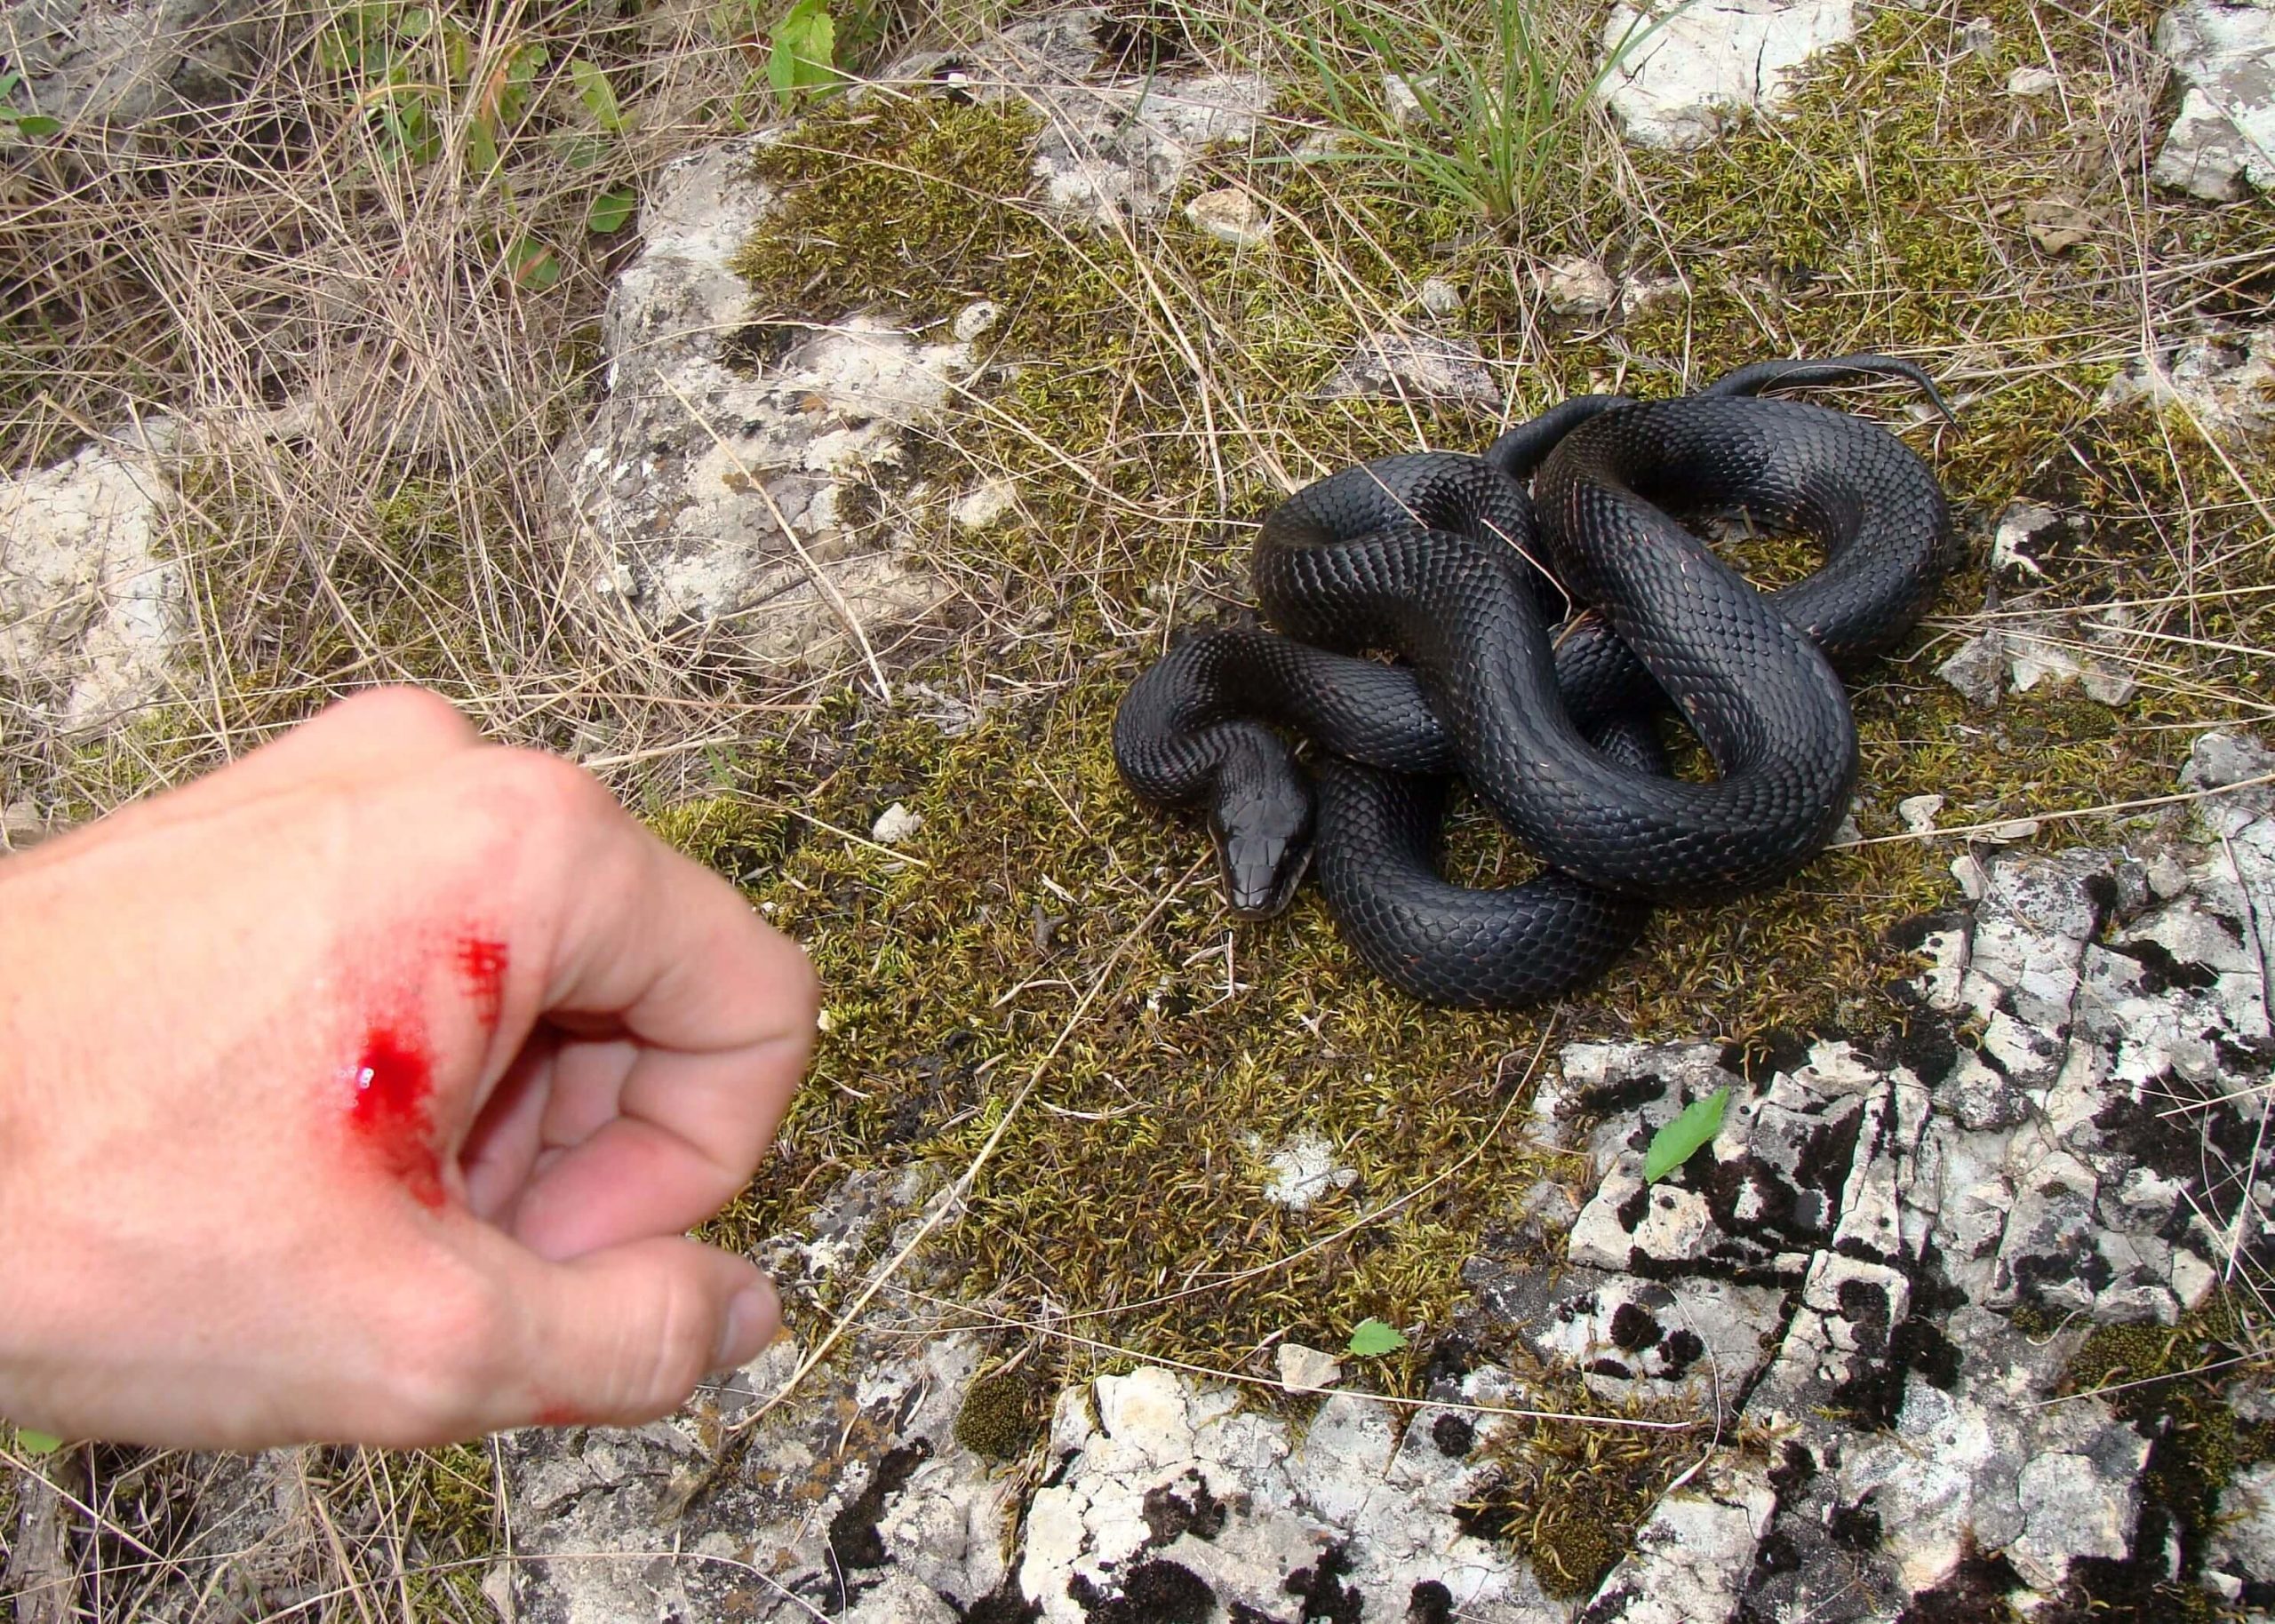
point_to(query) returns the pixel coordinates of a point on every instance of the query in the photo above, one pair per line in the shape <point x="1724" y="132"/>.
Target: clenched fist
<point x="363" y="1091"/>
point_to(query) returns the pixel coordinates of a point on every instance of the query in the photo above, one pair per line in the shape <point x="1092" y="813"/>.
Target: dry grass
<point x="1040" y="994"/>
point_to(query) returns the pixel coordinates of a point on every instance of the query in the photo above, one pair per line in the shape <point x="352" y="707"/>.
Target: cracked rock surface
<point x="2224" y="56"/>
<point x="88" y="609"/>
<point x="743" y="493"/>
<point x="1678" y="75"/>
<point x="1877" y="1274"/>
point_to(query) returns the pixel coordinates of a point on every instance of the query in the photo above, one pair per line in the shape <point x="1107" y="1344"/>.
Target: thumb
<point x="622" y="1335"/>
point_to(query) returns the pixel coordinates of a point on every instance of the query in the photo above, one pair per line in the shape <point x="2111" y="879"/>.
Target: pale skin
<point x="208" y="1239"/>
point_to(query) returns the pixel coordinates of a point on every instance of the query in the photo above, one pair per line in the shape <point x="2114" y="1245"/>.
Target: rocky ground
<point x="1865" y="1300"/>
<point x="1952" y="1318"/>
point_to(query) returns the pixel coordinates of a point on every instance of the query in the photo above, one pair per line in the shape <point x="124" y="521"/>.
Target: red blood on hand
<point x="392" y="1082"/>
<point x="482" y="965"/>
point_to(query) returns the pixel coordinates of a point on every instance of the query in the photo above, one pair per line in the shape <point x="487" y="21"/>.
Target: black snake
<point x="1445" y="560"/>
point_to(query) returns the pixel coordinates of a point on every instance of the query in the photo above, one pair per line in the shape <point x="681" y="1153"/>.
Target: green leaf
<point x="1370" y="1339"/>
<point x="481" y="146"/>
<point x="8" y="83"/>
<point x="609" y="210"/>
<point x="37" y="1443"/>
<point x="805" y="49"/>
<point x="1680" y="1140"/>
<point x="534" y="264"/>
<point x="580" y="149"/>
<point x="39" y="125"/>
<point x="597" y="94"/>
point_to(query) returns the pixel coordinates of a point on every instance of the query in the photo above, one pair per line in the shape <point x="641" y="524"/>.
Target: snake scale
<point x="1546" y="600"/>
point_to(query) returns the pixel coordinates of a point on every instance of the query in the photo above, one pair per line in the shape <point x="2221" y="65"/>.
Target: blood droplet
<point x="482" y="965"/>
<point x="392" y="1082"/>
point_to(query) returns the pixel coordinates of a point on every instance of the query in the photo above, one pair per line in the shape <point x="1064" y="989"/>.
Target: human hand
<point x="363" y="1091"/>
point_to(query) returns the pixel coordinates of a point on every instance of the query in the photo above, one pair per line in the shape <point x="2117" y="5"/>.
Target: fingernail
<point x="752" y="1320"/>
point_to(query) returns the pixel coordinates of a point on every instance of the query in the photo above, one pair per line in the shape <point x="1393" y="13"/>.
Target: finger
<point x="501" y="1147"/>
<point x="715" y="1011"/>
<point x="623" y="1335"/>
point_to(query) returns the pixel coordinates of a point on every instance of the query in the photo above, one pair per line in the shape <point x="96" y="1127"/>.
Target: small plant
<point x="37" y="1443"/>
<point x="17" y="125"/>
<point x="804" y="50"/>
<point x="1681" y="1139"/>
<point x="420" y="76"/>
<point x="1488" y="122"/>
<point x="1371" y="1339"/>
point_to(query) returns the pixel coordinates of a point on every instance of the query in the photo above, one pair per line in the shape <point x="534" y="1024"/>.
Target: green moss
<point x="2169" y="1382"/>
<point x="1146" y="393"/>
<point x="1569" y="1499"/>
<point x="913" y="205"/>
<point x="1002" y="1416"/>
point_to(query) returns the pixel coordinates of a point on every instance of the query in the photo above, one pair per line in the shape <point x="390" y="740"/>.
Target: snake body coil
<point x="1441" y="558"/>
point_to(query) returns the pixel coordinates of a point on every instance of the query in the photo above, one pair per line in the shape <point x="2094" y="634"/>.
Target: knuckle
<point x="547" y="794"/>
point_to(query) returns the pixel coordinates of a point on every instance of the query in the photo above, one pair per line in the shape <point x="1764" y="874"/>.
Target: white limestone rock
<point x="2222" y="139"/>
<point x="89" y="612"/>
<point x="1415" y="366"/>
<point x="720" y="490"/>
<point x="2223" y="377"/>
<point x="1231" y="214"/>
<point x="1676" y="75"/>
<point x="1578" y="286"/>
<point x="1174" y="1485"/>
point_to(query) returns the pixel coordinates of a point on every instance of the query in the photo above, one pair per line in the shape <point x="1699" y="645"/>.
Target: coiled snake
<point x="1445" y="560"/>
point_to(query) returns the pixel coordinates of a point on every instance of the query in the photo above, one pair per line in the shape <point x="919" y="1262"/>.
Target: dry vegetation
<point x="1039" y="996"/>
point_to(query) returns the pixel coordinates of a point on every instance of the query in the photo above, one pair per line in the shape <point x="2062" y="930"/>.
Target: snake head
<point x="1261" y="821"/>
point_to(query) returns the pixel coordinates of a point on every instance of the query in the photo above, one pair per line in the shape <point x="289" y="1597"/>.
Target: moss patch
<point x="2160" y="1381"/>
<point x="1569" y="1499"/>
<point x="1002" y="1416"/>
<point x="1148" y="396"/>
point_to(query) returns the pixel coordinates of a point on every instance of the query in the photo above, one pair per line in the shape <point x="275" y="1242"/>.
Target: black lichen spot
<point x="1630" y="1212"/>
<point x="1763" y="1055"/>
<point x="1792" y="1474"/>
<point x="1919" y="1345"/>
<point x="1857" y="1527"/>
<point x="854" y="1541"/>
<point x="1864" y="1306"/>
<point x="1633" y="1327"/>
<point x="1154" y="1592"/>
<point x="1454" y="1435"/>
<point x="1430" y="1603"/>
<point x="1777" y="1554"/>
<point x="1609" y="1367"/>
<point x="1451" y="1358"/>
<point x="1006" y="1604"/>
<point x="1168" y="1514"/>
<point x="2160" y="972"/>
<point x="1975" y="1593"/>
<point x="2167" y="1130"/>
<point x="1326" y="1599"/>
<point x="1909" y="936"/>
<point x="2101" y="890"/>
<point x="1683" y="1350"/>
<point x="1926" y="1047"/>
<point x="1617" y="1098"/>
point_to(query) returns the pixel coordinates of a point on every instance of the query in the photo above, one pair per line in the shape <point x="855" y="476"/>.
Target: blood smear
<point x="394" y="1082"/>
<point x="482" y="966"/>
